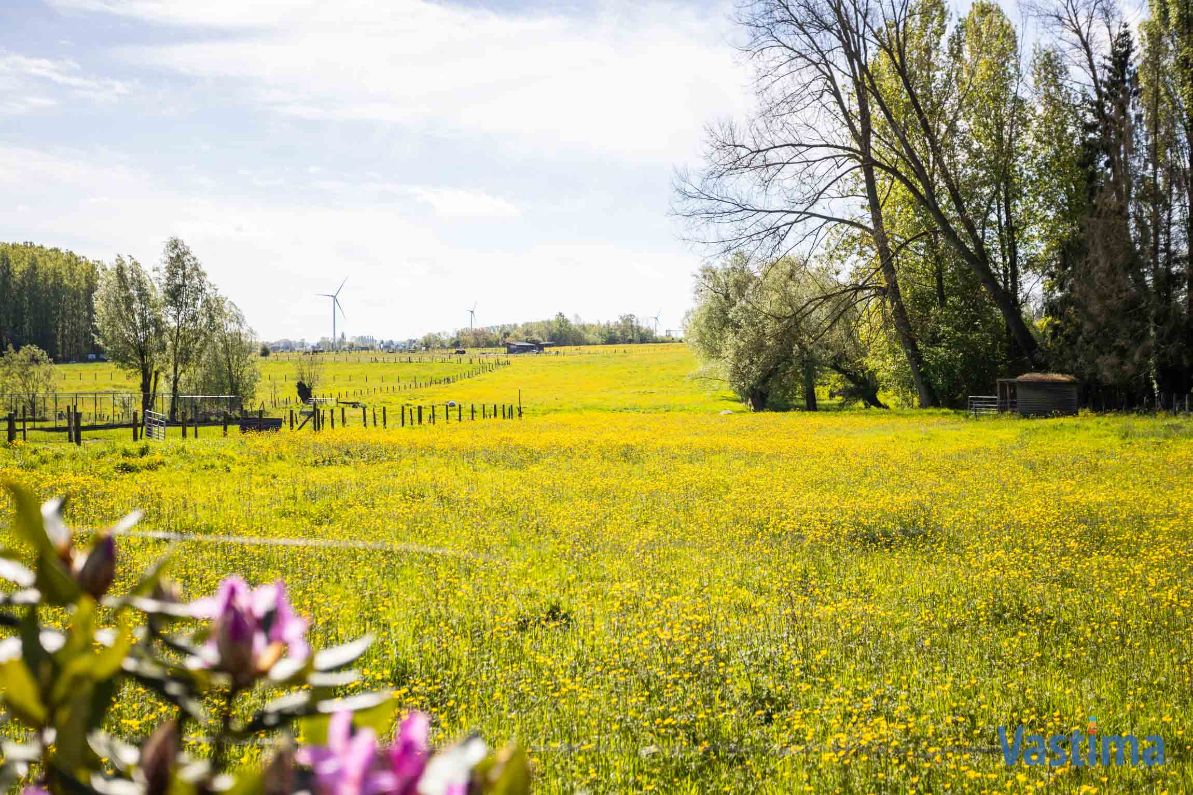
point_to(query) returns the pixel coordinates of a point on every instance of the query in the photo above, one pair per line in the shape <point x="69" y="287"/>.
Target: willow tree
<point x="129" y="323"/>
<point x="185" y="294"/>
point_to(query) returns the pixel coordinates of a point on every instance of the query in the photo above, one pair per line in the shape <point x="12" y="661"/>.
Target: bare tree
<point x="845" y="114"/>
<point x="804" y="167"/>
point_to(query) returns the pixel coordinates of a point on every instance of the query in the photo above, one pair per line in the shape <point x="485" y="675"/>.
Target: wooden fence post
<point x="364" y="417"/>
<point x="459" y="412"/>
<point x="472" y="410"/>
<point x="12" y="427"/>
<point x="343" y="418"/>
<point x="420" y="415"/>
<point x="225" y="416"/>
<point x="134" y="425"/>
<point x="78" y="427"/>
<point x="291" y="411"/>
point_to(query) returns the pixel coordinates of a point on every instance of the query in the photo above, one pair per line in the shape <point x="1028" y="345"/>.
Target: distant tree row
<point x="175" y="323"/>
<point x="46" y="300"/>
<point x="918" y="197"/>
<point x="626" y="330"/>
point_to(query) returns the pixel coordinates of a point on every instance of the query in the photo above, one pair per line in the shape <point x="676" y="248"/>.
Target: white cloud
<point x="456" y="203"/>
<point x="28" y="84"/>
<point x="634" y="80"/>
<point x="406" y="276"/>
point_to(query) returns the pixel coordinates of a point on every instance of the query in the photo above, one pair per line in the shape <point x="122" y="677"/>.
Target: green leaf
<point x="246" y="781"/>
<point x="336" y="679"/>
<point x="299" y="705"/>
<point x="380" y="717"/>
<point x="150" y="578"/>
<point x="20" y="694"/>
<point x="510" y="773"/>
<point x="340" y="656"/>
<point x="170" y="685"/>
<point x="51" y="577"/>
<point x="28" y="522"/>
<point x="15" y="572"/>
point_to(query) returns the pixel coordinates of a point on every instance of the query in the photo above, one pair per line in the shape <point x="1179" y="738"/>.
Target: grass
<point x="651" y="595"/>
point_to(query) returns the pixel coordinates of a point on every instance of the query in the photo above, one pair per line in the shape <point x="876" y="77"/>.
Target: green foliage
<point x="26" y="375"/>
<point x="774" y="332"/>
<point x="228" y="362"/>
<point x="130" y="324"/>
<point x="46" y="300"/>
<point x="993" y="205"/>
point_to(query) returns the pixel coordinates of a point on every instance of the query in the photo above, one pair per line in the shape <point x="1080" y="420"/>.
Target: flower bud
<point x="234" y="628"/>
<point x="157" y="758"/>
<point x="98" y="569"/>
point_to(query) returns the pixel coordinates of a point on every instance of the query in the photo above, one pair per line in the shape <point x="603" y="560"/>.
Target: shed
<point x="1039" y="395"/>
<point x="526" y="347"/>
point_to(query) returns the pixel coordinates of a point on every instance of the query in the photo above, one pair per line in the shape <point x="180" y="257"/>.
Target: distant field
<point x="653" y="596"/>
<point x="340" y="372"/>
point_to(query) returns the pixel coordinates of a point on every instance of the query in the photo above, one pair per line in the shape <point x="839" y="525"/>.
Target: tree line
<point x="171" y="322"/>
<point x="626" y="330"/>
<point x="918" y="203"/>
<point x="46" y="300"/>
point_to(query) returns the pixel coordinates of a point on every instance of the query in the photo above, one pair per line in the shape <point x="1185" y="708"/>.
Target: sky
<point x="518" y="156"/>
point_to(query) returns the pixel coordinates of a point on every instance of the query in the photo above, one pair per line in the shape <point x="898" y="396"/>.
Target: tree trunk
<point x="886" y="259"/>
<point x="809" y="368"/>
<point x="146" y="398"/>
<point x="757" y="398"/>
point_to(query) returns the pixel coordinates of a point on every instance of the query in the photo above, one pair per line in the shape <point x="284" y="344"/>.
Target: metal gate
<point x="155" y="425"/>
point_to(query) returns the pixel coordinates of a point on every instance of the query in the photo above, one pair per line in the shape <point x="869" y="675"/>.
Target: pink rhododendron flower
<point x="346" y="764"/>
<point x="251" y="629"/>
<point x="352" y="764"/>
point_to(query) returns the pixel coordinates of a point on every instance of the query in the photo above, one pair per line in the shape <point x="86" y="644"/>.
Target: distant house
<point x="526" y="347"/>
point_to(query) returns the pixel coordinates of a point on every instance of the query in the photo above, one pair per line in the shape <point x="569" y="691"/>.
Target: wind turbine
<point x="472" y="316"/>
<point x="335" y="304"/>
<point x="655" y="318"/>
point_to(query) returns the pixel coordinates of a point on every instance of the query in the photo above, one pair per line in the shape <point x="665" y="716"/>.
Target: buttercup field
<point x="650" y="595"/>
<point x="501" y="397"/>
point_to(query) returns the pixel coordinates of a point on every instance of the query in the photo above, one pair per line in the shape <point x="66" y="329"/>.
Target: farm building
<point x="1038" y="395"/>
<point x="526" y="347"/>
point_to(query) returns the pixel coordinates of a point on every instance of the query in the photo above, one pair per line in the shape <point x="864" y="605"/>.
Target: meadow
<point x="652" y="595"/>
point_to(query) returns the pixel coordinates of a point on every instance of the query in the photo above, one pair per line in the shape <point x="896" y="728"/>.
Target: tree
<point x="129" y="323"/>
<point x="772" y="334"/>
<point x="308" y="369"/>
<point x="805" y="166"/>
<point x="185" y="294"/>
<point x="28" y="374"/>
<point x="228" y="364"/>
